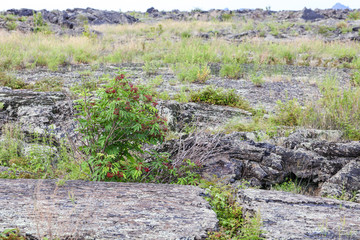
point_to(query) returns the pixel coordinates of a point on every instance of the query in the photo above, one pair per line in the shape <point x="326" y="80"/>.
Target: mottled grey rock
<point x="180" y="115"/>
<point x="310" y="15"/>
<point x="37" y="112"/>
<point x="345" y="183"/>
<point x="230" y="158"/>
<point x="100" y="210"/>
<point x="293" y="216"/>
<point x="71" y="19"/>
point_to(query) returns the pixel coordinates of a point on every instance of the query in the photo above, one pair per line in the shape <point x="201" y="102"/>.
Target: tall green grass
<point x="132" y="44"/>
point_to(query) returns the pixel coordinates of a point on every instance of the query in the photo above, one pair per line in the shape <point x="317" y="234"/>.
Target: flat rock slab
<point x="104" y="210"/>
<point x="294" y="216"/>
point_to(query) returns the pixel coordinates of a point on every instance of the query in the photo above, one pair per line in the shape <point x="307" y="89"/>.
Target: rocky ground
<point x="330" y="23"/>
<point x="322" y="161"/>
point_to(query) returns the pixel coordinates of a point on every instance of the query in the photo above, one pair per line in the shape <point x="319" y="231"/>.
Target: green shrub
<point x="39" y="24"/>
<point x="337" y="109"/>
<point x="219" y="96"/>
<point x="203" y="74"/>
<point x="156" y="82"/>
<point x="355" y="79"/>
<point x="88" y="83"/>
<point x="88" y="33"/>
<point x="192" y="72"/>
<point x="288" y="113"/>
<point x="11" y="144"/>
<point x="151" y="67"/>
<point x="344" y="27"/>
<point x="232" y="70"/>
<point x="182" y="96"/>
<point x="11" y="26"/>
<point x="227" y="16"/>
<point x="257" y="79"/>
<point x="115" y="125"/>
<point x="185" y="34"/>
<point x="324" y="30"/>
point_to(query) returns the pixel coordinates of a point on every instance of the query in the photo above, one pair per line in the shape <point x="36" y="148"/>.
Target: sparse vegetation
<point x="354" y="15"/>
<point x="11" y="234"/>
<point x="336" y="109"/>
<point x="233" y="223"/>
<point x="51" y="51"/>
<point x="11" y="82"/>
<point x="232" y="70"/>
<point x="257" y="79"/>
<point x="116" y="118"/>
<point x="39" y="24"/>
<point x="219" y="96"/>
<point x="289" y="186"/>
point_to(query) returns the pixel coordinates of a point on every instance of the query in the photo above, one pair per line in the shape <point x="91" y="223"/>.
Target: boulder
<point x="293" y="216"/>
<point x="38" y="112"/>
<point x="234" y="157"/>
<point x="345" y="183"/>
<point x="180" y="115"/>
<point x="311" y="15"/>
<point x="22" y="12"/>
<point x="105" y="210"/>
<point x="152" y="10"/>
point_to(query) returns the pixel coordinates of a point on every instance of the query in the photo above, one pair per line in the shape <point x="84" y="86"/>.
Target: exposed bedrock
<point x="99" y="210"/>
<point x="263" y="164"/>
<point x="180" y="115"/>
<point x="38" y="112"/>
<point x="293" y="216"/>
<point x="318" y="158"/>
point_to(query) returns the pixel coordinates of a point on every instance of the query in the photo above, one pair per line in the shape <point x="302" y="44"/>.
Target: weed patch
<point x="288" y="186"/>
<point x="234" y="224"/>
<point x="219" y="96"/>
<point x="12" y="82"/>
<point x="232" y="70"/>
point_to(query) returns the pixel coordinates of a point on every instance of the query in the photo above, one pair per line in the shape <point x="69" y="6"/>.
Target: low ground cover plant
<point x="11" y="234"/>
<point x="233" y="222"/>
<point x="12" y="82"/>
<point x="43" y="158"/>
<point x="192" y="72"/>
<point x="219" y="96"/>
<point x="289" y="186"/>
<point x="232" y="70"/>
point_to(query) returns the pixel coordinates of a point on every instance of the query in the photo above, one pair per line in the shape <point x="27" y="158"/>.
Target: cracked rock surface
<point x="294" y="216"/>
<point x="100" y="210"/>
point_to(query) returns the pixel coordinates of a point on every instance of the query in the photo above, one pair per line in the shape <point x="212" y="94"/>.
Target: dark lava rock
<point x="310" y="15"/>
<point x="22" y="12"/>
<point x="152" y="10"/>
<point x="232" y="156"/>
